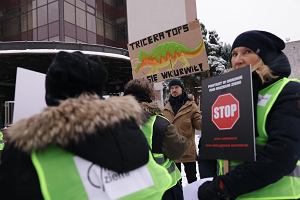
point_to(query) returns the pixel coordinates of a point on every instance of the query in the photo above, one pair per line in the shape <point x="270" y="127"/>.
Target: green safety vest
<point x="65" y="176"/>
<point x="158" y="157"/>
<point x="1" y="141"/>
<point x="288" y="187"/>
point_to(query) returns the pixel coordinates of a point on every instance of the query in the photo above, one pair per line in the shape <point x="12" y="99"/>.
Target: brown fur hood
<point x="152" y="108"/>
<point x="73" y="120"/>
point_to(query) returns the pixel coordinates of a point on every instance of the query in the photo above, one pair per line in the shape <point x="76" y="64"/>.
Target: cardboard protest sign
<point x="172" y="53"/>
<point x="146" y="17"/>
<point x="228" y="117"/>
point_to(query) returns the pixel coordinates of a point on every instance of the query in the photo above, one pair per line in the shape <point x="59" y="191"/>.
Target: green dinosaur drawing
<point x="168" y="53"/>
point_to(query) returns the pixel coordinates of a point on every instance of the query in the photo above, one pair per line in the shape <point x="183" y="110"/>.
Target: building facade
<point x="81" y="21"/>
<point x="292" y="50"/>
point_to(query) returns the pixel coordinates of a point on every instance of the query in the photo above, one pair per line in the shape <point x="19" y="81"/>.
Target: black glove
<point x="213" y="190"/>
<point x="207" y="192"/>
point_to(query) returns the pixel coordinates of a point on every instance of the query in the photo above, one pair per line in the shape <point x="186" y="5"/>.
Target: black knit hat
<point x="267" y="45"/>
<point x="71" y="74"/>
<point x="176" y="81"/>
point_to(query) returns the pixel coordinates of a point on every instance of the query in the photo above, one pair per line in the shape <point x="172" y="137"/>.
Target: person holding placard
<point x="276" y="172"/>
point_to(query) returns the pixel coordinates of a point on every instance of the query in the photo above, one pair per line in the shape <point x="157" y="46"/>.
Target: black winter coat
<point x="282" y="151"/>
<point x="105" y="132"/>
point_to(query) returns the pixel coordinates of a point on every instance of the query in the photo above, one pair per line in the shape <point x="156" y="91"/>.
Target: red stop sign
<point x="225" y="111"/>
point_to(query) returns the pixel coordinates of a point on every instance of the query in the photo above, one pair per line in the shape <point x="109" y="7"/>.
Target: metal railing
<point x="8" y="111"/>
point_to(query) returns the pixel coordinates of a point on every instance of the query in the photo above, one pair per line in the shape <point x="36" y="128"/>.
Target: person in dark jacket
<point x="165" y="138"/>
<point x="77" y="120"/>
<point x="275" y="173"/>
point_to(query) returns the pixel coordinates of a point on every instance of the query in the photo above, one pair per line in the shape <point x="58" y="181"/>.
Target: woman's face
<point x="242" y="56"/>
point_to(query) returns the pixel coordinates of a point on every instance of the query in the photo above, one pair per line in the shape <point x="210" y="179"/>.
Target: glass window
<point x="24" y="8"/>
<point x="53" y="29"/>
<point x="100" y="39"/>
<point x="53" y="12"/>
<point x="71" y="1"/>
<point x="80" y="18"/>
<point x="91" y="3"/>
<point x="81" y="34"/>
<point x="24" y="2"/>
<point x="120" y="3"/>
<point x="34" y="18"/>
<point x="91" y="37"/>
<point x="31" y="19"/>
<point x="121" y="33"/>
<point x="69" y="39"/>
<point x="11" y="27"/>
<point x="109" y="31"/>
<point x="43" y="32"/>
<point x="49" y="1"/>
<point x="80" y="4"/>
<point x="54" y="38"/>
<point x="69" y="12"/>
<point x="91" y="23"/>
<point x="100" y="27"/>
<point x="24" y="36"/>
<point x="1" y="30"/>
<point x="34" y="34"/>
<point x="12" y="12"/>
<point x="110" y="2"/>
<point x="99" y="14"/>
<point x="99" y="5"/>
<point x="23" y="23"/>
<point x="109" y="20"/>
<point x="29" y="35"/>
<point x="42" y="16"/>
<point x="90" y="10"/>
<point x="32" y="4"/>
<point x="70" y="30"/>
<point x="41" y="2"/>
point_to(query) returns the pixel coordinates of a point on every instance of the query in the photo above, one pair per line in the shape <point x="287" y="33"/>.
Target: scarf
<point x="178" y="102"/>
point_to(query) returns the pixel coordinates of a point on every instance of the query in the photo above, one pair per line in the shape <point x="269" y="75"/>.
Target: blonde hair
<point x="264" y="72"/>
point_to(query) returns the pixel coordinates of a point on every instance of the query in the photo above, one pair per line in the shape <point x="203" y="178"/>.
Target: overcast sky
<point x="231" y="17"/>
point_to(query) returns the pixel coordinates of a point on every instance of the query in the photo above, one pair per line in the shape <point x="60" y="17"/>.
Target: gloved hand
<point x="213" y="190"/>
<point x="207" y="191"/>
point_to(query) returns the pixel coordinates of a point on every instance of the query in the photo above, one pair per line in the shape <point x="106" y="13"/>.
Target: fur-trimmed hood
<point x="105" y="132"/>
<point x="72" y="120"/>
<point x="152" y="108"/>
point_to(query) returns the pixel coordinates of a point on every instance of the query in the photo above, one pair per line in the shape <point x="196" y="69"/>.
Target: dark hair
<point x="141" y="89"/>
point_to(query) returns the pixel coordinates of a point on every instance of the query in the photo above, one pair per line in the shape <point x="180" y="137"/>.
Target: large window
<point x="30" y="20"/>
<point x="53" y="12"/>
<point x="92" y="21"/>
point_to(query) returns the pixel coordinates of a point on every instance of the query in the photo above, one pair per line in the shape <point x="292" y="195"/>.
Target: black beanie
<point x="268" y="47"/>
<point x="71" y="74"/>
<point x="176" y="82"/>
